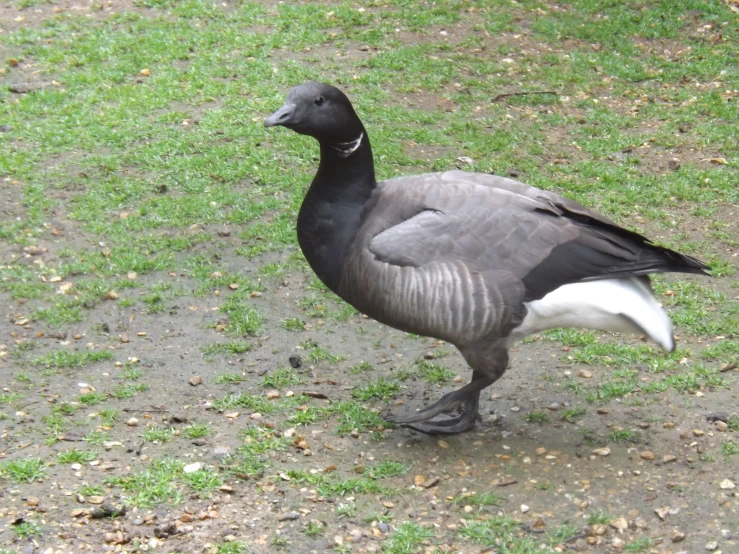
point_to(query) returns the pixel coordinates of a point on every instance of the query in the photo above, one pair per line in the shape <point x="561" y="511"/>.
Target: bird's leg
<point x="461" y="405"/>
<point x="457" y="411"/>
<point x="462" y="420"/>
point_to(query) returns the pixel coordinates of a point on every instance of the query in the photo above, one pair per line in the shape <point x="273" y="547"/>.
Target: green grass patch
<point x="281" y="378"/>
<point x="197" y="430"/>
<point x="386" y="468"/>
<point x="27" y="529"/>
<point x="623" y="435"/>
<point x="65" y="359"/>
<point x="158" y="434"/>
<point x="379" y="389"/>
<point x="478" y="499"/>
<point x="23" y="471"/>
<point x="407" y="537"/>
<point x="230" y="348"/>
<point x="353" y="415"/>
<point x="75" y="456"/>
<point x="230" y="379"/>
<point x="570" y="415"/>
<point x="537" y="416"/>
<point x="157" y="484"/>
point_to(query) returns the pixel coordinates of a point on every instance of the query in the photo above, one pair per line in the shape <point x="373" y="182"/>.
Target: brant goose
<point x="469" y="258"/>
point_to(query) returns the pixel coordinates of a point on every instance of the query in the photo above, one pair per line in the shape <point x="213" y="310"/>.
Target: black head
<point x="320" y="111"/>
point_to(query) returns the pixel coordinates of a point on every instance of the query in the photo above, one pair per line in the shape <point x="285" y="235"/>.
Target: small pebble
<point x="711" y="546"/>
<point x="132" y="422"/>
<point x="678" y="536"/>
<point x="619" y="524"/>
<point x="192" y="468"/>
<point x="727" y="484"/>
<point x="646" y="455"/>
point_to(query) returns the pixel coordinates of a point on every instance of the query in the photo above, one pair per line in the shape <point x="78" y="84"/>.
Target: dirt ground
<point x="672" y="487"/>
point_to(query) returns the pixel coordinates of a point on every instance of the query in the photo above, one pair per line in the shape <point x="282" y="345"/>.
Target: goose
<point x="476" y="260"/>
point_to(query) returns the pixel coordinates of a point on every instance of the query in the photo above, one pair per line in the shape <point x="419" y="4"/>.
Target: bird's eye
<point x="319" y="101"/>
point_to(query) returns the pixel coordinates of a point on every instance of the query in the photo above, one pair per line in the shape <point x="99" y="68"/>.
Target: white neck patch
<point x="346" y="149"/>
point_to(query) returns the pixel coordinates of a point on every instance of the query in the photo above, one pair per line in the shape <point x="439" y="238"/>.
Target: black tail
<point x="602" y="254"/>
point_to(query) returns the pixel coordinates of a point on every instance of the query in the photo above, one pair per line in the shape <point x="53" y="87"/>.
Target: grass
<point x="386" y="468"/>
<point x="314" y="528"/>
<point x="281" y="378"/>
<point x="154" y="485"/>
<point x="599" y="518"/>
<point x="293" y="324"/>
<point x="231" y="348"/>
<point x="571" y="414"/>
<point x="316" y="354"/>
<point x="499" y="531"/>
<point x="75" y="456"/>
<point x="332" y="486"/>
<point x="478" y="499"/>
<point x="407" y="538"/>
<point x="256" y="403"/>
<point x="26" y="529"/>
<point x="23" y="471"/>
<point x="433" y="372"/>
<point x="379" y="389"/>
<point x="128" y="390"/>
<point x="198" y="430"/>
<point x="537" y="416"/>
<point x="623" y="435"/>
<point x="203" y="481"/>
<point x="236" y="547"/>
<point x="91" y="490"/>
<point x="642" y="544"/>
<point x="361" y="367"/>
<point x="92" y="398"/>
<point x="348" y="509"/>
<point x="229" y="379"/>
<point x="157" y="434"/>
<point x="65" y="359"/>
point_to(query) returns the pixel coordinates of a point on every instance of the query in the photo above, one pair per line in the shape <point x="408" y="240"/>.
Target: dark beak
<point x="283" y="116"/>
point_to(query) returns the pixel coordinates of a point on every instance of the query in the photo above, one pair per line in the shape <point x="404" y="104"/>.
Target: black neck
<point x="331" y="212"/>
